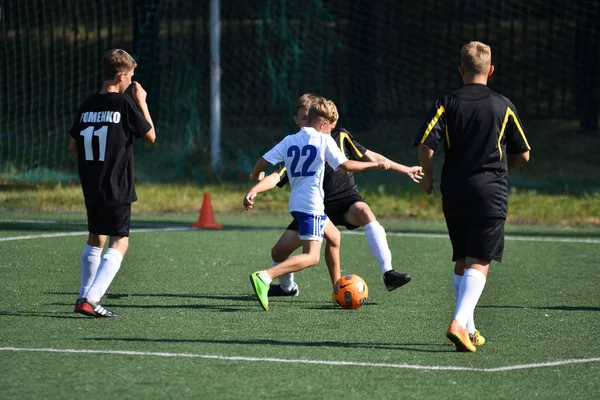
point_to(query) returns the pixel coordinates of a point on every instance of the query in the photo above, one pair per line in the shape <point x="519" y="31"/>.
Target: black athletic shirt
<point x="336" y="184"/>
<point x="104" y="129"/>
<point x="479" y="128"/>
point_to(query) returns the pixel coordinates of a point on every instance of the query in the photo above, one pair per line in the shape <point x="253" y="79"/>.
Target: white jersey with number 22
<point x="304" y="155"/>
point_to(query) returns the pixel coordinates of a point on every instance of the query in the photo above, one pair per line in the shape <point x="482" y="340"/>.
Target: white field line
<point x="312" y="362"/>
<point x="159" y="228"/>
<point x="507" y="237"/>
<point x="62" y="234"/>
<point x="156" y="224"/>
<point x="42" y="221"/>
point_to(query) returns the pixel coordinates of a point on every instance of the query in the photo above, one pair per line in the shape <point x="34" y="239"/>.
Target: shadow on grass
<point x="252" y="298"/>
<point x="248" y="297"/>
<point x="116" y="296"/>
<point x="222" y="308"/>
<point x="557" y="308"/>
<point x="419" y="347"/>
<point x="39" y="314"/>
<point x="336" y="308"/>
<point x="217" y="307"/>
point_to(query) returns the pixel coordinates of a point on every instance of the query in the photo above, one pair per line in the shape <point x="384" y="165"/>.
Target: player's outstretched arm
<point x="426" y="160"/>
<point x="414" y="173"/>
<point x="357" y="166"/>
<point x="267" y="183"/>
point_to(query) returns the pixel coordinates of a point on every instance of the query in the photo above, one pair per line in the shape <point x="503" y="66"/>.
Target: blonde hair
<point x="323" y="108"/>
<point x="115" y="61"/>
<point x="304" y="101"/>
<point x="476" y="58"/>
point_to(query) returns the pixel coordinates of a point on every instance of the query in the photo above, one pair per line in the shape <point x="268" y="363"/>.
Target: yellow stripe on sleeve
<point x="433" y="122"/>
<point x="510" y="113"/>
<point x="520" y="129"/>
<point x="344" y="136"/>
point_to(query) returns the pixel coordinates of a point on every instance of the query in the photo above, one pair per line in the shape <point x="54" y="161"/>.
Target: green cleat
<point x="260" y="288"/>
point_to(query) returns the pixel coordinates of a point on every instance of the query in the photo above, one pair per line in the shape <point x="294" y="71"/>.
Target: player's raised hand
<point x="138" y="93"/>
<point x="415" y="173"/>
<point x="249" y="199"/>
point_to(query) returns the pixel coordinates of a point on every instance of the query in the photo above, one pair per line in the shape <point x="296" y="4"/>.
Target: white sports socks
<point x="286" y="281"/>
<point x="469" y="292"/>
<point x="90" y="260"/>
<point x="265" y="277"/>
<point x="378" y="244"/>
<point x="109" y="266"/>
<point x="456" y="279"/>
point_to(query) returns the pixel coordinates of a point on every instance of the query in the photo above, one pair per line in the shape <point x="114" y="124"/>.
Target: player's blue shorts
<point x="311" y="227"/>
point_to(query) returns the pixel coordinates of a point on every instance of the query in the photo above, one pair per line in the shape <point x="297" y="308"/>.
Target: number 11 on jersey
<point x="88" y="134"/>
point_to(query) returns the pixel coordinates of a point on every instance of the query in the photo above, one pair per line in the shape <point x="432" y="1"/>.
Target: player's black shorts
<point x="476" y="237"/>
<point x="335" y="211"/>
<point x="111" y="221"/>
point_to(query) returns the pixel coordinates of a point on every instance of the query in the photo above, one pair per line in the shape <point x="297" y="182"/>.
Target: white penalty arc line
<point x="312" y="362"/>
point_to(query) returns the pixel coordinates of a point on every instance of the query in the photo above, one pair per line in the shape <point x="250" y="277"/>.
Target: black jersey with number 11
<point x="105" y="128"/>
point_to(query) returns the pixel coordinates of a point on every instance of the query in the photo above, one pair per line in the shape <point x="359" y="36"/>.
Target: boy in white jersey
<point x="344" y="206"/>
<point x="304" y="155"/>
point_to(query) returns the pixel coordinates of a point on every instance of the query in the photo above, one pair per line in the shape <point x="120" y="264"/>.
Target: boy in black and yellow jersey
<point x="483" y="139"/>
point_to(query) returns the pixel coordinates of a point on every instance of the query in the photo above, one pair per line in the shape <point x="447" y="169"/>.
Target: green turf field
<point x="192" y="328"/>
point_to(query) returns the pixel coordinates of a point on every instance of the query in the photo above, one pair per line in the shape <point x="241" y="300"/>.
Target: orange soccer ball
<point x="350" y="291"/>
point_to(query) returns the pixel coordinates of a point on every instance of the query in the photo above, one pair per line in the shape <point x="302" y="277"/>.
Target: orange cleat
<point x="460" y="337"/>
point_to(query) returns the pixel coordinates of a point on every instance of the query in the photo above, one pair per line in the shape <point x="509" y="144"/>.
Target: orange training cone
<point x="207" y="217"/>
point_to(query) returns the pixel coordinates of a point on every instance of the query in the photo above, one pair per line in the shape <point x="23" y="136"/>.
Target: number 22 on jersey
<point x="88" y="134"/>
<point x="310" y="152"/>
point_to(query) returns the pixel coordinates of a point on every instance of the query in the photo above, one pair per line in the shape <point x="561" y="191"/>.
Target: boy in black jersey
<point x="344" y="206"/>
<point x="483" y="139"/>
<point x="102" y="139"/>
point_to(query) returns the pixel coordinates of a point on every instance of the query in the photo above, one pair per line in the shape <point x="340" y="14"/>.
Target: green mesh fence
<point x="383" y="62"/>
